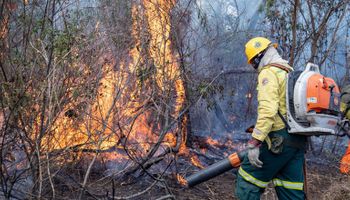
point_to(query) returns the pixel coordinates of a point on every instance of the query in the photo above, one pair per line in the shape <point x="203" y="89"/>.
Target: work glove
<point x="254" y="152"/>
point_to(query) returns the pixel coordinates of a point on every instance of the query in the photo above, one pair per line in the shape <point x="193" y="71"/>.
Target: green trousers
<point x="285" y="170"/>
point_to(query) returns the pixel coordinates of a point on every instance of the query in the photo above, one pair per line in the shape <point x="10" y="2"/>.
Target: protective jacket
<point x="343" y="107"/>
<point x="271" y="99"/>
<point x="271" y="96"/>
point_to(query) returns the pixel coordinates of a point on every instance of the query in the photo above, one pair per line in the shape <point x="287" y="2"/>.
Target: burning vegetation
<point x="94" y="106"/>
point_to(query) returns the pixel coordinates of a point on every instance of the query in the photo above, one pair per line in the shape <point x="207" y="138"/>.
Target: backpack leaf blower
<point x="313" y="103"/>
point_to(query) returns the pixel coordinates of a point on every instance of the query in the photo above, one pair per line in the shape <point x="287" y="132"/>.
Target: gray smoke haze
<point x="219" y="30"/>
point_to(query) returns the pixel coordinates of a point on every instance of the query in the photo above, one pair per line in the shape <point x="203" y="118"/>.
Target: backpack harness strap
<point x="280" y="66"/>
<point x="347" y="109"/>
<point x="287" y="70"/>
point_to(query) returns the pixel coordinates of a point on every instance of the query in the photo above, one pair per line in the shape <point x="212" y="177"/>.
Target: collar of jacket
<point x="283" y="64"/>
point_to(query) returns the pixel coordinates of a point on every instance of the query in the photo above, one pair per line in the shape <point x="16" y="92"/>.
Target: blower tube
<point x="232" y="161"/>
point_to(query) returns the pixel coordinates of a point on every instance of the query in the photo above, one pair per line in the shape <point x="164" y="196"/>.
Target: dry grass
<point x="338" y="190"/>
<point x="327" y="183"/>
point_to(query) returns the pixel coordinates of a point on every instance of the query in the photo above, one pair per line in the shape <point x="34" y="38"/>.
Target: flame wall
<point x="138" y="97"/>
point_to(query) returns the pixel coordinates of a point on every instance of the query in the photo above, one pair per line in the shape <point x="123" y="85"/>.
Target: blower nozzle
<point x="232" y="161"/>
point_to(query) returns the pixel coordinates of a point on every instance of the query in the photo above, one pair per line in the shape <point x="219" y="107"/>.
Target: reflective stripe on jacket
<point x="271" y="98"/>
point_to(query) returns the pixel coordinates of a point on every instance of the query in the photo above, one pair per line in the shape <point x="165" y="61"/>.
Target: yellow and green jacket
<point x="343" y="108"/>
<point x="345" y="99"/>
<point x="271" y="99"/>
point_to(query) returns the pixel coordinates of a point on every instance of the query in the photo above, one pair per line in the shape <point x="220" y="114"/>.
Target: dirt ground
<point x="322" y="185"/>
<point x="323" y="182"/>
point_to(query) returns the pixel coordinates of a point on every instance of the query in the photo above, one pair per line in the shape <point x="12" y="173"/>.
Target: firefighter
<point x="345" y="107"/>
<point x="274" y="155"/>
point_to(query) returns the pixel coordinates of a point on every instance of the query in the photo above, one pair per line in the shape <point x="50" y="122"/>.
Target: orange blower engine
<point x="313" y="104"/>
<point x="231" y="162"/>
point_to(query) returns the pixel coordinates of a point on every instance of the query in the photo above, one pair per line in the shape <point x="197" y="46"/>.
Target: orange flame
<point x="196" y="162"/>
<point x="181" y="180"/>
<point x="345" y="161"/>
<point x="118" y="96"/>
<point x="170" y="140"/>
<point x="212" y="142"/>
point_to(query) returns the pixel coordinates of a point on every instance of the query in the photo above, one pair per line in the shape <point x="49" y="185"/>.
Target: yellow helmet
<point x="255" y="46"/>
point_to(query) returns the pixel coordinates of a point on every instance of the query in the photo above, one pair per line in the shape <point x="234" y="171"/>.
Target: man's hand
<point x="254" y="152"/>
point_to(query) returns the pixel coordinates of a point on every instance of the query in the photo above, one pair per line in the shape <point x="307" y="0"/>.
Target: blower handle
<point x="312" y="67"/>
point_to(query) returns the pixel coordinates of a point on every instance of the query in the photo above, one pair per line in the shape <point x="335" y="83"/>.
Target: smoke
<point x="215" y="38"/>
<point x="216" y="35"/>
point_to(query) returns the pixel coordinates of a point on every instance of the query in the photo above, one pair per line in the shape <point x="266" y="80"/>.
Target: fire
<point x="183" y="149"/>
<point x="118" y="115"/>
<point x="196" y="162"/>
<point x="181" y="180"/>
<point x="212" y="142"/>
<point x="170" y="140"/>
